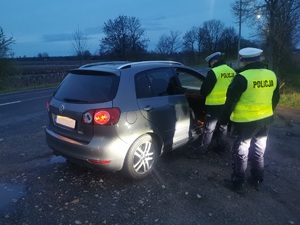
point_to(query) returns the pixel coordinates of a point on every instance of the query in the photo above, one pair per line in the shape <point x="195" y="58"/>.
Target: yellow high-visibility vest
<point x="256" y="102"/>
<point x="224" y="75"/>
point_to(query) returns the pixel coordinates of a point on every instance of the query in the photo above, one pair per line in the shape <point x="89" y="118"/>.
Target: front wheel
<point x="141" y="158"/>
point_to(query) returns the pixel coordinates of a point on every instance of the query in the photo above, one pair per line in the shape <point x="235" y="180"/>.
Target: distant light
<point x="258" y="16"/>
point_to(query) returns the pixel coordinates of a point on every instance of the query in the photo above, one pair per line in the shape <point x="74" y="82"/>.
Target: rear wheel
<point x="141" y="158"/>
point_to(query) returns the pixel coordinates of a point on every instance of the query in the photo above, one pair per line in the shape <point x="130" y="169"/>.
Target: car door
<point x="163" y="103"/>
<point x="191" y="82"/>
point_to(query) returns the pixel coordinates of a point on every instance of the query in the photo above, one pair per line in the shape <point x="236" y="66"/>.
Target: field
<point x="41" y="73"/>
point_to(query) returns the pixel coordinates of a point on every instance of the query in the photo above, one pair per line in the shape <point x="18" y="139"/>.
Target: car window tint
<point x="189" y="79"/>
<point x="174" y="86"/>
<point x="142" y="86"/>
<point x="157" y="82"/>
<point x="87" y="88"/>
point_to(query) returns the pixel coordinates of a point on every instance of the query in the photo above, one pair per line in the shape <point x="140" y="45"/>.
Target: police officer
<point x="251" y="99"/>
<point x="214" y="90"/>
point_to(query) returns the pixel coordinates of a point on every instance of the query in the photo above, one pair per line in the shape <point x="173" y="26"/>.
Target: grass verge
<point x="11" y="90"/>
<point x="291" y="100"/>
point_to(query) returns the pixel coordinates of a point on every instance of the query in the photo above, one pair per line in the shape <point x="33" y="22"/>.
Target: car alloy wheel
<point x="141" y="158"/>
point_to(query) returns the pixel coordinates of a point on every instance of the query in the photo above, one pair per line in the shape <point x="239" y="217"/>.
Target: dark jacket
<point x="208" y="86"/>
<point x="236" y="89"/>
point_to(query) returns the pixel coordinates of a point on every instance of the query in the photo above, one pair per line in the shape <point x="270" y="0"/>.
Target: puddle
<point x="56" y="159"/>
<point x="8" y="194"/>
<point x="52" y="160"/>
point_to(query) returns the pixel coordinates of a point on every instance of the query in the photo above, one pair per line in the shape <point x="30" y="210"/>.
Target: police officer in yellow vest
<point x="214" y="90"/>
<point x="251" y="99"/>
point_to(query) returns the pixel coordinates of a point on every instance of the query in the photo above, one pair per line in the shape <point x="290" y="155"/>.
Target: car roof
<point x="126" y="64"/>
<point x="116" y="67"/>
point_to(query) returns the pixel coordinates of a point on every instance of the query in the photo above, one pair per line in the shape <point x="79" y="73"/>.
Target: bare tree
<point x="169" y="44"/>
<point x="210" y="35"/>
<point x="278" y="26"/>
<point x="5" y="45"/>
<point x="190" y="39"/>
<point x="6" y="67"/>
<point x="124" y="38"/>
<point x="43" y="55"/>
<point x="79" y="43"/>
<point x="163" y="46"/>
<point x="191" y="43"/>
<point x="228" y="41"/>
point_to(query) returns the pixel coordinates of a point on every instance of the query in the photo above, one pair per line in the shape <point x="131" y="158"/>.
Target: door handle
<point x="147" y="108"/>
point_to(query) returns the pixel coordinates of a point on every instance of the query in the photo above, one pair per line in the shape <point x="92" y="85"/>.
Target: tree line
<point x="125" y="39"/>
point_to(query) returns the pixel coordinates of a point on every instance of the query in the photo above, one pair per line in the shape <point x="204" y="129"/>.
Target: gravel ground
<point x="43" y="189"/>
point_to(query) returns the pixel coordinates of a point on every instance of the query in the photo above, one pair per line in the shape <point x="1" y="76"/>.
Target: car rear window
<point x="88" y="88"/>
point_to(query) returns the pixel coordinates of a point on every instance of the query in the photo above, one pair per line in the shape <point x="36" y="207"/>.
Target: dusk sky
<point x="39" y="26"/>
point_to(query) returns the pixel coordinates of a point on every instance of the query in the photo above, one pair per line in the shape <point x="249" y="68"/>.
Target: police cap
<point x="250" y="54"/>
<point x="213" y="56"/>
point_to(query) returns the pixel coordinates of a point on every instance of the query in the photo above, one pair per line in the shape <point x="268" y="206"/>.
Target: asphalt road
<point x="38" y="188"/>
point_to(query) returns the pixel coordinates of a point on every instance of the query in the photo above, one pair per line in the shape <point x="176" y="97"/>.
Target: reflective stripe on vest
<point x="224" y="75"/>
<point x="256" y="102"/>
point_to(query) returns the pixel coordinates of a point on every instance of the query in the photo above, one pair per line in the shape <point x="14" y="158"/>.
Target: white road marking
<point x="9" y="103"/>
<point x="16" y="102"/>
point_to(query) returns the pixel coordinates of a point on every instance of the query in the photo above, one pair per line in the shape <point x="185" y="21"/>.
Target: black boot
<point x="236" y="187"/>
<point x="255" y="183"/>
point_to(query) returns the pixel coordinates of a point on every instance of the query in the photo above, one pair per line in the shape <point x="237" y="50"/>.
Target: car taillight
<point x="101" y="162"/>
<point x="107" y="116"/>
<point x="48" y="104"/>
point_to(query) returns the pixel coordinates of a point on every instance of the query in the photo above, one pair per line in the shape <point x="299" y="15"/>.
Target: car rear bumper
<point x="109" y="153"/>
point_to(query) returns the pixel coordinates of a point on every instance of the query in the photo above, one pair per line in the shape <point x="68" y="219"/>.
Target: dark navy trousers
<point x="249" y="146"/>
<point x="211" y="128"/>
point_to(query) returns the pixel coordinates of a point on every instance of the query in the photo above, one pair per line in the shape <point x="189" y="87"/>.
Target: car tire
<point x="141" y="158"/>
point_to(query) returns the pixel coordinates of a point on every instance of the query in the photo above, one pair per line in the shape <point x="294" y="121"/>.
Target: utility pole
<point x="240" y="35"/>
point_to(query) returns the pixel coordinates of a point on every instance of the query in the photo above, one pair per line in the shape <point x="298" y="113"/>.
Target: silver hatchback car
<point x="123" y="115"/>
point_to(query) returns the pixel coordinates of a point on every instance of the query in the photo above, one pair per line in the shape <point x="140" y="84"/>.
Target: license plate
<point x="65" y="121"/>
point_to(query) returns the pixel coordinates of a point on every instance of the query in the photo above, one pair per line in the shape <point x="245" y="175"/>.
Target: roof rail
<point x="103" y="63"/>
<point x="142" y="62"/>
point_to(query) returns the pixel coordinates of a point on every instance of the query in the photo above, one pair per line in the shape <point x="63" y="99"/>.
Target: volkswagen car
<point x="121" y="116"/>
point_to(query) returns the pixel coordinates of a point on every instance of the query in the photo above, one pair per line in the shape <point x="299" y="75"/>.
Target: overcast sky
<point x="39" y="26"/>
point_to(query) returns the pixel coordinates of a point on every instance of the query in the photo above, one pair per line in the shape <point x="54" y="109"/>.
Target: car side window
<point x="157" y="82"/>
<point x="143" y="86"/>
<point x="189" y="79"/>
